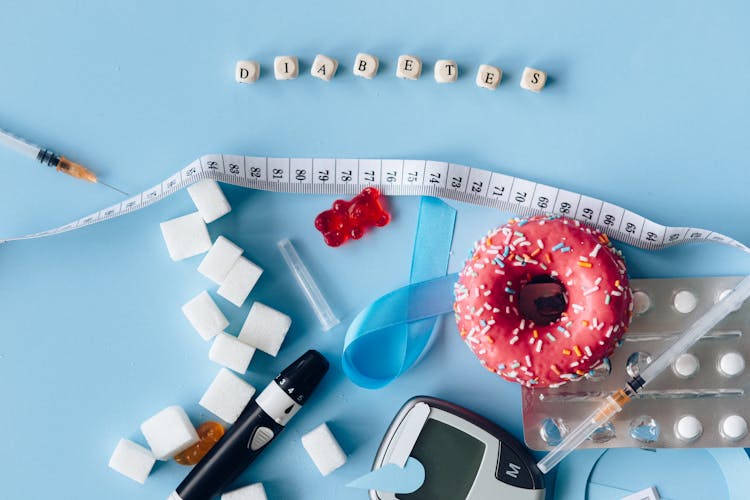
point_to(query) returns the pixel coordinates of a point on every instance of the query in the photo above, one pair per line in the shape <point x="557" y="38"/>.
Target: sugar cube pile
<point x="251" y="492"/>
<point x="219" y="260"/>
<point x="230" y="352"/>
<point x="240" y="281"/>
<point x="265" y="328"/>
<point x="205" y="316"/>
<point x="227" y="396"/>
<point x="132" y="460"/>
<point x="324" y="449"/>
<point x="169" y="432"/>
<point x="186" y="236"/>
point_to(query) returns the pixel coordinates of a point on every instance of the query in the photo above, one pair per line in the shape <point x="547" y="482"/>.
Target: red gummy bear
<point x="349" y="219"/>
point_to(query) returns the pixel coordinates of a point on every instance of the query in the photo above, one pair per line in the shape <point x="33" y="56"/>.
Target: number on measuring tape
<point x="324" y="171"/>
<point x="346" y="171"/>
<point x="435" y="174"/>
<point x="500" y="185"/>
<point x="369" y="172"/>
<point x="413" y="172"/>
<point x="278" y="170"/>
<point x="255" y="169"/>
<point x="408" y="177"/>
<point x="235" y="165"/>
<point x="301" y="170"/>
<point x="479" y="182"/>
<point x="522" y="192"/>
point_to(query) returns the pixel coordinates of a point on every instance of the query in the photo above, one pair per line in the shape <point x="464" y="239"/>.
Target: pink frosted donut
<point x="564" y="325"/>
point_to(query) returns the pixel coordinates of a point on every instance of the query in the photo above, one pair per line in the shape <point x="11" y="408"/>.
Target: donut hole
<point x="542" y="300"/>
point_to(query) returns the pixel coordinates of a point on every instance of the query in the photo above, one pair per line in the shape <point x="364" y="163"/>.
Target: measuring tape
<point x="408" y="178"/>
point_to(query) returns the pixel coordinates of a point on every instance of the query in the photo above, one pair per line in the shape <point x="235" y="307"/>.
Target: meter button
<point x="512" y="470"/>
<point x="261" y="437"/>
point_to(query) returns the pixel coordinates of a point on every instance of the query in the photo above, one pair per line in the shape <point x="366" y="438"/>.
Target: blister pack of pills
<point x="703" y="401"/>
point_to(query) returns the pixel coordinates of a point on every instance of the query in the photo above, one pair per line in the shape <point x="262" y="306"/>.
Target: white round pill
<point x="731" y="364"/>
<point x="686" y="365"/>
<point x="733" y="427"/>
<point x="723" y="294"/>
<point x="641" y="302"/>
<point x="688" y="428"/>
<point x="685" y="301"/>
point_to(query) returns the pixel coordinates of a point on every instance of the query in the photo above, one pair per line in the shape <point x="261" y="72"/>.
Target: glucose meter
<point x="465" y="456"/>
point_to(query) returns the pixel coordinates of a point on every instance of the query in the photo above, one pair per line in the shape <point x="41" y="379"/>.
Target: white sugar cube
<point x="285" y="67"/>
<point x="324" y="67"/>
<point x="227" y="396"/>
<point x="265" y="328"/>
<point x="324" y="449"/>
<point x="185" y="236"/>
<point x="205" y="316"/>
<point x="251" y="492"/>
<point x="488" y="77"/>
<point x="169" y="432"/>
<point x="366" y="66"/>
<point x="132" y="460"/>
<point x="446" y="71"/>
<point x="409" y="67"/>
<point x="209" y="199"/>
<point x="246" y="71"/>
<point x="230" y="352"/>
<point x="533" y="79"/>
<point x="219" y="260"/>
<point x="239" y="281"/>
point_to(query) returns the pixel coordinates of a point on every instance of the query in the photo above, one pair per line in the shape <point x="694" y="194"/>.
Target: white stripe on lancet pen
<point x="408" y="178"/>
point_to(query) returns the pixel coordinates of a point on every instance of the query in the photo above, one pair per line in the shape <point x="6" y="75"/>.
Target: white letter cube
<point x="265" y="328"/>
<point x="324" y="67"/>
<point x="446" y="71"/>
<point x="533" y="79"/>
<point x="169" y="432"/>
<point x="366" y="65"/>
<point x="247" y="71"/>
<point x="251" y="492"/>
<point x="185" y="236"/>
<point x="240" y="280"/>
<point x="488" y="77"/>
<point x="132" y="460"/>
<point x="409" y="67"/>
<point x="219" y="260"/>
<point x="285" y="67"/>
<point x="209" y="199"/>
<point x="230" y="352"/>
<point x="205" y="316"/>
<point x="324" y="449"/>
<point x="227" y="396"/>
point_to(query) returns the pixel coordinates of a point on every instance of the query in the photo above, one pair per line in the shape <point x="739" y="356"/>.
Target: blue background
<point x="647" y="107"/>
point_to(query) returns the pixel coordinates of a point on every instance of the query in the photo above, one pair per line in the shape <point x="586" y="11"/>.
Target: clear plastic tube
<point x="614" y="403"/>
<point x="313" y="294"/>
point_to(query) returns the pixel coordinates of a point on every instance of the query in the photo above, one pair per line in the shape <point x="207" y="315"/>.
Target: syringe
<point x="45" y="156"/>
<point x="615" y="402"/>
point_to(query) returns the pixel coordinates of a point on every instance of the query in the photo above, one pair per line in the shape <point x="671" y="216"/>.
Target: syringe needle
<point x="45" y="156"/>
<point x="112" y="187"/>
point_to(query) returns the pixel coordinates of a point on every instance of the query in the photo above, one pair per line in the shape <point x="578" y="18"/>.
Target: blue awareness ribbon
<point x="389" y="335"/>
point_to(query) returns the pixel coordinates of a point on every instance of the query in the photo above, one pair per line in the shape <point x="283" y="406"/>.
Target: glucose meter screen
<point x="451" y="459"/>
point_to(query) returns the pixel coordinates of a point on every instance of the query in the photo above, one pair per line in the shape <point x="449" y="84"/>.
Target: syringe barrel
<point x="600" y="416"/>
<point x="703" y="325"/>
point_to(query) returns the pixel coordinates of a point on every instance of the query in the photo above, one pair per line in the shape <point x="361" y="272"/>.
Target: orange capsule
<point x="209" y="434"/>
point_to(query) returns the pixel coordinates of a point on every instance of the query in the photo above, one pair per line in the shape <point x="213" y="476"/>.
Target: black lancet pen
<point x="258" y="424"/>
